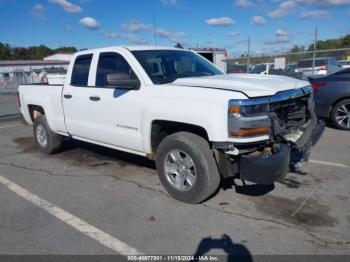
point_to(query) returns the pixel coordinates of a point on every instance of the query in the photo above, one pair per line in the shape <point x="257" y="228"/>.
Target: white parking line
<point x="327" y="163"/>
<point x="69" y="219"/>
<point x="10" y="126"/>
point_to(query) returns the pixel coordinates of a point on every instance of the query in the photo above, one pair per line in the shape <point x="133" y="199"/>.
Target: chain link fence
<point x="339" y="54"/>
<point x="292" y="61"/>
<point x="9" y="81"/>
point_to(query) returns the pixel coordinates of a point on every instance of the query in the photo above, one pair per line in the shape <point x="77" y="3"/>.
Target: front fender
<point x="212" y="118"/>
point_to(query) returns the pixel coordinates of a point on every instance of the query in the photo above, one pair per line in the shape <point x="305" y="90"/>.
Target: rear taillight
<point x="18" y="99"/>
<point x="323" y="68"/>
<point x="316" y="85"/>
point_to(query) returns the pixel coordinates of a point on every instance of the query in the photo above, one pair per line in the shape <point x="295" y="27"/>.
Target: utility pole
<point x="248" y="55"/>
<point x="314" y="55"/>
<point x="154" y="30"/>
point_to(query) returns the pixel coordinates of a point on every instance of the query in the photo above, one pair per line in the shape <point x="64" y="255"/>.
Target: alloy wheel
<point x="180" y="170"/>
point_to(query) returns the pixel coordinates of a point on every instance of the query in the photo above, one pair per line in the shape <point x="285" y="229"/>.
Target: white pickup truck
<point x="172" y="105"/>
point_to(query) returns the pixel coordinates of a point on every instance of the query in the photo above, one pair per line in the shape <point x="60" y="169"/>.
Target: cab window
<point x="81" y="68"/>
<point x="112" y="63"/>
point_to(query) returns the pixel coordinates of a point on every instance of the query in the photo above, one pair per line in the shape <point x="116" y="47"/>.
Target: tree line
<point x="342" y="42"/>
<point x="8" y="52"/>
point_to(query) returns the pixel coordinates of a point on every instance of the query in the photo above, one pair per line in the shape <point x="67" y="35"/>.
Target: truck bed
<point x="45" y="96"/>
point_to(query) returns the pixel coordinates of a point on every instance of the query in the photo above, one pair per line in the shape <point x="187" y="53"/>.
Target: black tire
<point x="54" y="141"/>
<point x="207" y="175"/>
<point x="345" y="102"/>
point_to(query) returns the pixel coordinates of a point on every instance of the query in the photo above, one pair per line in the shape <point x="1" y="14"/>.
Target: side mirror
<point x="122" y="80"/>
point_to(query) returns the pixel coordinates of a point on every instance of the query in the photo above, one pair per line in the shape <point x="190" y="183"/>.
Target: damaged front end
<point x="292" y="128"/>
<point x="294" y="122"/>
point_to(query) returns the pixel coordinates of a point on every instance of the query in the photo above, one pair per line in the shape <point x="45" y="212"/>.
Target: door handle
<point x="94" y="98"/>
<point x="68" y="96"/>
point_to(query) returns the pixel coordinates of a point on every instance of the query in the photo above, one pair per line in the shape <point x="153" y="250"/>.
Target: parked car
<point x="237" y="69"/>
<point x="175" y="107"/>
<point x="323" y="66"/>
<point x="282" y="72"/>
<point x="344" y="63"/>
<point x="332" y="97"/>
<point x="262" y="69"/>
<point x="290" y="68"/>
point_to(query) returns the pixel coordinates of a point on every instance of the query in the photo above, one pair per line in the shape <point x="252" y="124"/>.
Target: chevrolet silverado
<point x="175" y="107"/>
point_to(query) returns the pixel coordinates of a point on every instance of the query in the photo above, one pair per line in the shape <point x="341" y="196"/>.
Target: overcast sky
<point x="273" y="25"/>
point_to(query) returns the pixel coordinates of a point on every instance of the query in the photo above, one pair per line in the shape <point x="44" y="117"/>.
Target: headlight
<point x="247" y="118"/>
<point x="249" y="107"/>
<point x="249" y="110"/>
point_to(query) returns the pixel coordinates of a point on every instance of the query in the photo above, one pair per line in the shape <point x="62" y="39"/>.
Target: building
<point x="13" y="73"/>
<point x="59" y="57"/>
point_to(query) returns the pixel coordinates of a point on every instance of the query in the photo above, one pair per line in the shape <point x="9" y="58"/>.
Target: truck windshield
<point x="165" y="66"/>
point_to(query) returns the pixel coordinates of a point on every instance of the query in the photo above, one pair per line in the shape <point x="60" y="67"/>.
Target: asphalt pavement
<point x="8" y="105"/>
<point x="92" y="200"/>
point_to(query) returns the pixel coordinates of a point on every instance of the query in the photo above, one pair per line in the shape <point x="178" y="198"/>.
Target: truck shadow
<point x="84" y="154"/>
<point x="123" y="158"/>
<point x="105" y="153"/>
<point x="233" y="252"/>
<point x="74" y="148"/>
<point x="249" y="190"/>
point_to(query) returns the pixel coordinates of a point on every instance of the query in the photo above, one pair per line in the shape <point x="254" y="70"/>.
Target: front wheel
<point x="187" y="168"/>
<point x="341" y="115"/>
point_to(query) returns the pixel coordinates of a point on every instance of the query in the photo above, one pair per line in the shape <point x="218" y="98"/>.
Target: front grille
<point x="292" y="113"/>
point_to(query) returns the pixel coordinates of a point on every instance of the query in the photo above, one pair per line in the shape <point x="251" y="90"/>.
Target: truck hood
<point x="251" y="85"/>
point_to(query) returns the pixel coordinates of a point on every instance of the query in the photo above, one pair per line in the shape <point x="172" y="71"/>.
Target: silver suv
<point x="323" y="66"/>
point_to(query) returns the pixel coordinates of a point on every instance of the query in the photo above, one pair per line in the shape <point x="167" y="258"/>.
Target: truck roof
<point x="150" y="47"/>
<point x="131" y="48"/>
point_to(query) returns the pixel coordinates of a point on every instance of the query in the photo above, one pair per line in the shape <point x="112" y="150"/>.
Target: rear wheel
<point x="341" y="114"/>
<point x="187" y="168"/>
<point x="48" y="141"/>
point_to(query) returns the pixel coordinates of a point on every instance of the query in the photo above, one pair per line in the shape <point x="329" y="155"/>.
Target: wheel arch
<point x="162" y="128"/>
<point x="35" y="111"/>
<point x="336" y="102"/>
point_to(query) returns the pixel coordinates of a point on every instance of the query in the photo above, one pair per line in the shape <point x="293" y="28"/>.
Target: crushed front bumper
<point x="268" y="168"/>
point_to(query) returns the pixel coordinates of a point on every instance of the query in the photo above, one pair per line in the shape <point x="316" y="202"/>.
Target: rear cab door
<point x="75" y="97"/>
<point x="98" y="112"/>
